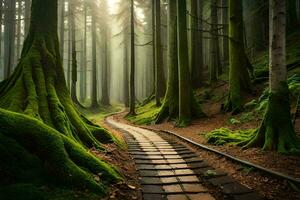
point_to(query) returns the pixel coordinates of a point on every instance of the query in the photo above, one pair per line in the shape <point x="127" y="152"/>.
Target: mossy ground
<point x="145" y="114"/>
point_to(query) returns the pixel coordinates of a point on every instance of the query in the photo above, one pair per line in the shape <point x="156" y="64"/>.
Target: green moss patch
<point x="225" y="136"/>
<point x="145" y="114"/>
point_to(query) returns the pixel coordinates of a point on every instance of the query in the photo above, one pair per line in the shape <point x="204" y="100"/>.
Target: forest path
<point x="169" y="170"/>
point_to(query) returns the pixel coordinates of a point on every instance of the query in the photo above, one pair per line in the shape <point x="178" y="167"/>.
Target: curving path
<point x="171" y="171"/>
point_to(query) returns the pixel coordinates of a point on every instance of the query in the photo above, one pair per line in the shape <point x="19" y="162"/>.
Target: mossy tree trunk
<point x="160" y="85"/>
<point x="277" y="131"/>
<point x="239" y="79"/>
<point x="53" y="132"/>
<point x="179" y="102"/>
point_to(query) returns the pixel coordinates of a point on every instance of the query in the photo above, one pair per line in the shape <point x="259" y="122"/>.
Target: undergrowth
<point x="225" y="136"/>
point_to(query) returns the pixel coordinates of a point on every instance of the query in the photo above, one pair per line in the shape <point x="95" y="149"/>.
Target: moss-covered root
<point x="277" y="131"/>
<point x="62" y="160"/>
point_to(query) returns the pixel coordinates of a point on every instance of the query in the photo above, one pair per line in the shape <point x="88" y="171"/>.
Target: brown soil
<point x="130" y="189"/>
<point x="269" y="187"/>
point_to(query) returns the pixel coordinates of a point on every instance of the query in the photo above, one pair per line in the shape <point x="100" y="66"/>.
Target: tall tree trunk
<point x="195" y="59"/>
<point x="94" y="93"/>
<point x="179" y="102"/>
<point x="62" y="29"/>
<point x="105" y="75"/>
<point x="69" y="66"/>
<point x="225" y="41"/>
<point x="153" y="47"/>
<point x="18" y="33"/>
<point x="83" y="74"/>
<point x="27" y="16"/>
<point x="239" y="79"/>
<point x="132" y="60"/>
<point x="9" y="36"/>
<point x="55" y="137"/>
<point x="126" y="70"/>
<point x="74" y="55"/>
<point x="160" y="85"/>
<point x="215" y="65"/>
<point x="277" y="131"/>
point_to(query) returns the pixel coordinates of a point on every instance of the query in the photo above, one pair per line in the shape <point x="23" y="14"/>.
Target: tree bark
<point x="94" y="93"/>
<point x="74" y="54"/>
<point x="9" y="36"/>
<point x="215" y="64"/>
<point x="239" y="79"/>
<point x="196" y="57"/>
<point x="132" y="60"/>
<point x="62" y="29"/>
<point x="160" y="85"/>
<point x="83" y="74"/>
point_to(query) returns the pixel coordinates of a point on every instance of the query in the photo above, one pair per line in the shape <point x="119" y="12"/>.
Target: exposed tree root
<point x="53" y="136"/>
<point x="29" y="146"/>
<point x="277" y="132"/>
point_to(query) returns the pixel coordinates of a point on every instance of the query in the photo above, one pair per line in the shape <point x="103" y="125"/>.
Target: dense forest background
<point x="98" y="33"/>
<point x="224" y="71"/>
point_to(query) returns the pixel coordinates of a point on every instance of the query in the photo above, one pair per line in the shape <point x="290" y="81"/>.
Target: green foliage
<point x="225" y="136"/>
<point x="234" y="121"/>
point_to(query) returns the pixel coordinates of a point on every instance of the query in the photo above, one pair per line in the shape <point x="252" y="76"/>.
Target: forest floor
<point x="211" y="100"/>
<point x="269" y="187"/>
<point x="119" y="157"/>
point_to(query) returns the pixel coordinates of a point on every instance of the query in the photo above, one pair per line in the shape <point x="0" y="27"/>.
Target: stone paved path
<point x="170" y="171"/>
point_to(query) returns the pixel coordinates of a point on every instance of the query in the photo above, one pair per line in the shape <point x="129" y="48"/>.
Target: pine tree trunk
<point x="160" y="85"/>
<point x="62" y="29"/>
<point x="277" y="131"/>
<point x="239" y="79"/>
<point x="9" y="36"/>
<point x="105" y="75"/>
<point x="18" y="33"/>
<point x="94" y="93"/>
<point x="126" y="70"/>
<point x="215" y="65"/>
<point x="48" y="130"/>
<point x="132" y="60"/>
<point x="27" y="16"/>
<point x="69" y="66"/>
<point x="74" y="55"/>
<point x="83" y="74"/>
<point x="225" y="41"/>
<point x="195" y="59"/>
